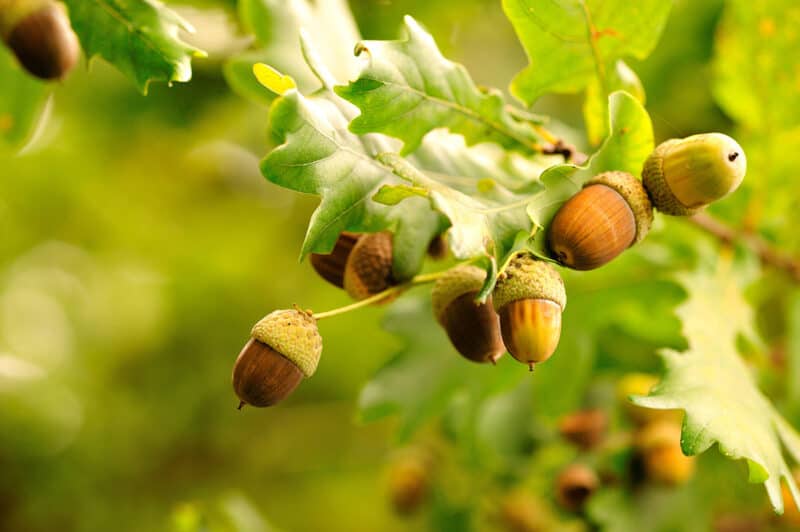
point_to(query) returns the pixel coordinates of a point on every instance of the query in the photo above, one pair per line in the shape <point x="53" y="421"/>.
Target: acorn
<point x="659" y="445"/>
<point x="575" y="485"/>
<point x="585" y="428"/>
<point x="368" y="270"/>
<point x="284" y="347"/>
<point x="684" y="175"/>
<point x="610" y="214"/>
<point x="40" y="35"/>
<point x="473" y="327"/>
<point x="529" y="297"/>
<point x="409" y="481"/>
<point x="331" y="266"/>
<point x="437" y="248"/>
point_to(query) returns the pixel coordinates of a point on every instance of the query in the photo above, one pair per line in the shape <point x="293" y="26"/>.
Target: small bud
<point x="608" y="216"/>
<point x="585" y="428"/>
<point x="529" y="297"/>
<point x="473" y="328"/>
<point x="575" y="485"/>
<point x="684" y="175"/>
<point x="285" y="347"/>
<point x="40" y="35"/>
<point x="659" y="445"/>
<point x="331" y="266"/>
<point x="369" y="267"/>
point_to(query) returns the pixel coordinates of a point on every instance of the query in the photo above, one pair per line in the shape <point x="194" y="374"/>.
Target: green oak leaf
<point x="320" y="156"/>
<point x="627" y="146"/>
<point x="595" y="106"/>
<point x="571" y="42"/>
<point x="139" y="37"/>
<point x="22" y="98"/>
<point x="422" y="380"/>
<point x="407" y="88"/>
<point x="277" y="25"/>
<point x="756" y="50"/>
<point x="716" y="389"/>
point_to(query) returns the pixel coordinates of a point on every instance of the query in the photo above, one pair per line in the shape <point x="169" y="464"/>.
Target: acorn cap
<point x="453" y="284"/>
<point x="293" y="334"/>
<point x="684" y="175"/>
<point x="634" y="193"/>
<point x="528" y="278"/>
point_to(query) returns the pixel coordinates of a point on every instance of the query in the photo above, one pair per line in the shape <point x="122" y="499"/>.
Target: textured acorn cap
<point x="454" y="283"/>
<point x="634" y="193"/>
<point x="293" y="334"/>
<point x="684" y="175"/>
<point x="528" y="278"/>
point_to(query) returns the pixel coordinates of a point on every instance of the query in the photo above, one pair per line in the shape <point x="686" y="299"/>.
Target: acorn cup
<point x="575" y="485"/>
<point x="284" y="347"/>
<point x="368" y="270"/>
<point x="331" y="266"/>
<point x="529" y="297"/>
<point x="684" y="175"/>
<point x="40" y="35"/>
<point x="610" y="214"/>
<point x="473" y="327"/>
<point x="659" y="445"/>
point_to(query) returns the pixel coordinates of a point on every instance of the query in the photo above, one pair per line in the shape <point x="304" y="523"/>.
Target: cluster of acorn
<point x="40" y="35"/>
<point x="613" y="211"/>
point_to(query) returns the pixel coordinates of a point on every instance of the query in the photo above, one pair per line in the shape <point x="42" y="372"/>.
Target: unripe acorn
<point x="369" y="266"/>
<point x="575" y="485"/>
<point x="610" y="214"/>
<point x="473" y="328"/>
<point x="659" y="445"/>
<point x="529" y="297"/>
<point x="40" y="35"/>
<point x="585" y="428"/>
<point x="331" y="266"/>
<point x="684" y="175"/>
<point x="284" y="347"/>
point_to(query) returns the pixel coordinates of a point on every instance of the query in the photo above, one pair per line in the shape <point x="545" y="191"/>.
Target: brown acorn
<point x="331" y="266"/>
<point x="609" y="215"/>
<point x="437" y="248"/>
<point x="473" y="328"/>
<point x="585" y="428"/>
<point x="409" y="481"/>
<point x="684" y="175"/>
<point x="575" y="485"/>
<point x="40" y="35"/>
<point x="284" y="347"/>
<point x="529" y="297"/>
<point x="368" y="270"/>
<point x="659" y="445"/>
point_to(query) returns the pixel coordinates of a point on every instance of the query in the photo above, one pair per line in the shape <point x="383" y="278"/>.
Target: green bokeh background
<point x="139" y="243"/>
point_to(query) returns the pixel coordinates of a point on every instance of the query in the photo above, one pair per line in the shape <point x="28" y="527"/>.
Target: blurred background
<point x="139" y="244"/>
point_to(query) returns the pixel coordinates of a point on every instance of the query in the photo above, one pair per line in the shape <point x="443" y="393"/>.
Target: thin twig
<point x="768" y="254"/>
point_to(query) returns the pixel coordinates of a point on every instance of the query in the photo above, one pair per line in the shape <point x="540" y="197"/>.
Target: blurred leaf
<point x="277" y="25"/>
<point x="756" y="64"/>
<point x="21" y="100"/>
<point x="571" y="42"/>
<point x="407" y="88"/>
<point x="627" y="147"/>
<point x="421" y="380"/>
<point x="139" y="37"/>
<point x="712" y="384"/>
<point x="793" y="353"/>
<point x="652" y="509"/>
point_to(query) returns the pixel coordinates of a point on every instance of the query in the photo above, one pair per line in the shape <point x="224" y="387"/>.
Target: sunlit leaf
<point x="21" y="100"/>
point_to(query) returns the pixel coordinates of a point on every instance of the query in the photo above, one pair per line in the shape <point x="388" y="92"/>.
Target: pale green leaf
<point x="407" y="88"/>
<point x="716" y="389"/>
<point x="595" y="106"/>
<point x="570" y="42"/>
<point x="21" y="100"/>
<point x="139" y="37"/>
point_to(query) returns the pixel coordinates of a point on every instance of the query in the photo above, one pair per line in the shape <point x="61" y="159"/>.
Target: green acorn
<point x="684" y="175"/>
<point x="284" y="347"/>
<point x="608" y="216"/>
<point x="473" y="328"/>
<point x="529" y="297"/>
<point x="40" y="35"/>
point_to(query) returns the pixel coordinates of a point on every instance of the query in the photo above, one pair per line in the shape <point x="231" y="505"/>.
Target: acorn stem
<point x="414" y="281"/>
<point x="241" y="404"/>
